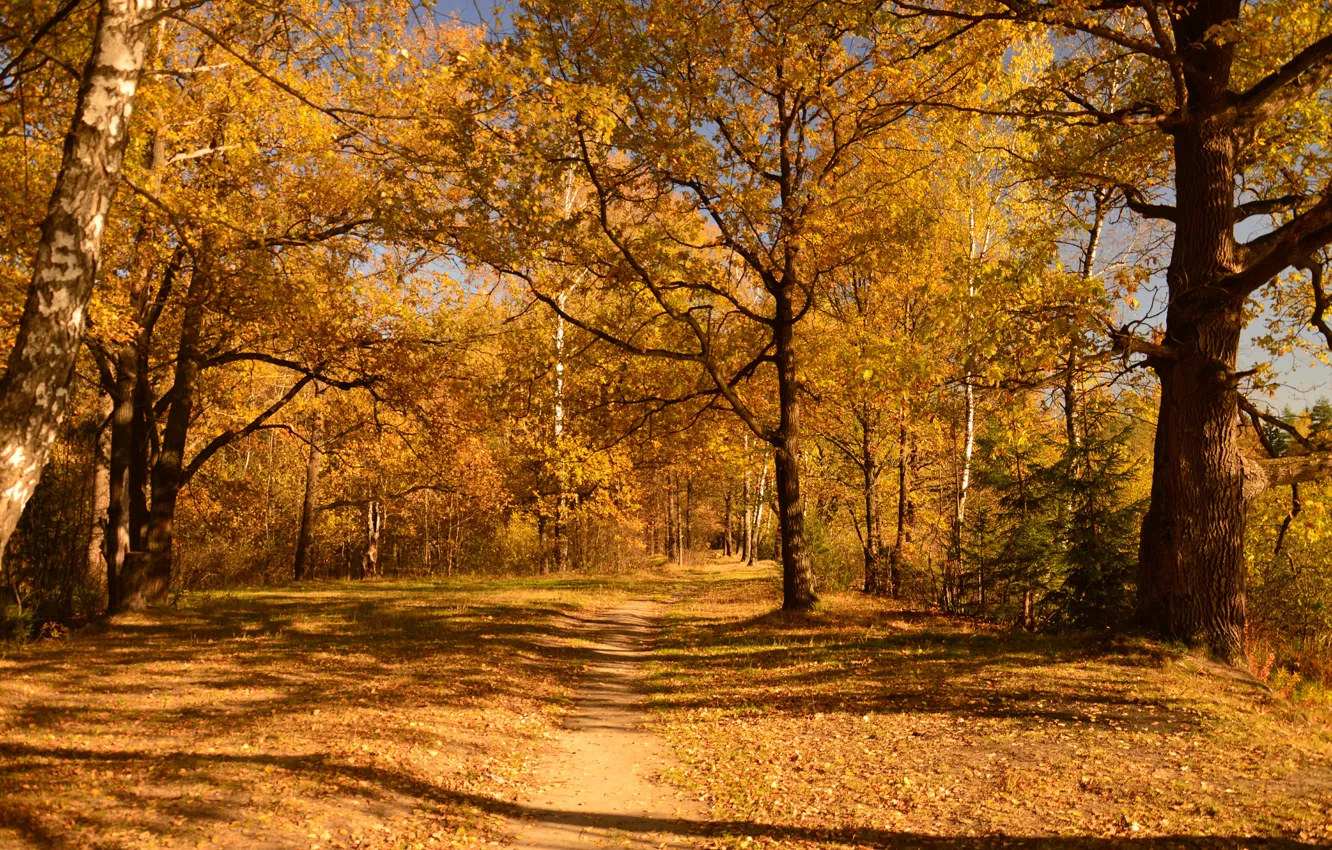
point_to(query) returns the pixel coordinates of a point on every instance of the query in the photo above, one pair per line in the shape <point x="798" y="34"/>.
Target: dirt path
<point x="596" y="785"/>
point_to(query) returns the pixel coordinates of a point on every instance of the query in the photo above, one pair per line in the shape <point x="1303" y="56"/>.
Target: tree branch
<point x="1125" y="343"/>
<point x="314" y="372"/>
<point x="1262" y="473"/>
<point x="392" y="497"/>
<point x="1266" y="256"/>
<point x="29" y="43"/>
<point x="1134" y="200"/>
<point x="1266" y="206"/>
<point x="1257" y="416"/>
<point x="312" y="237"/>
<point x="228" y="437"/>
<point x="1302" y="75"/>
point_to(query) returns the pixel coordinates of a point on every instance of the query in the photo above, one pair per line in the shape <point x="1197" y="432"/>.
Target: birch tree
<point x="35" y="389"/>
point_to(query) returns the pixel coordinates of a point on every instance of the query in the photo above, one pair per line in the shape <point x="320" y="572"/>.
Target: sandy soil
<point x="597" y="785"/>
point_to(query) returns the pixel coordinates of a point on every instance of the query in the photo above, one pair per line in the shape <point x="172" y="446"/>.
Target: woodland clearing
<point x="397" y="714"/>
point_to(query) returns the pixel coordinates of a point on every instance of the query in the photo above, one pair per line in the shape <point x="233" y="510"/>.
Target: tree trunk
<point x="310" y="509"/>
<point x="543" y="560"/>
<point x="874" y="579"/>
<point x="35" y="387"/>
<point x="374" y="524"/>
<point x="142" y="431"/>
<point x="727" y="544"/>
<point x="797" y="577"/>
<point x="669" y="498"/>
<point x="168" y="470"/>
<point x="902" y="536"/>
<point x="756" y="527"/>
<point x="964" y="479"/>
<point x="679" y="521"/>
<point x="689" y="514"/>
<point x="747" y="520"/>
<point x="121" y="534"/>
<point x="95" y="566"/>
<point x="561" y="533"/>
<point x="1191" y="561"/>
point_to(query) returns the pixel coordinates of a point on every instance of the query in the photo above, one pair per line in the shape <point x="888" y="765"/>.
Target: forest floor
<point x="471" y="713"/>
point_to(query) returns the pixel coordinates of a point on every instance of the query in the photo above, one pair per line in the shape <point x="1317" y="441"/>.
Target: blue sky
<point x="465" y="10"/>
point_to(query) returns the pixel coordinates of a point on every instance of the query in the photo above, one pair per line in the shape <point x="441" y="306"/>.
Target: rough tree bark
<point x="35" y="388"/>
<point x="1191" y="561"/>
<point x="1191" y="564"/>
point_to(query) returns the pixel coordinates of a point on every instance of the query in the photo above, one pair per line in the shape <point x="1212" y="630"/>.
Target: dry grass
<point x="864" y="725"/>
<point x="336" y="715"/>
<point x="406" y="715"/>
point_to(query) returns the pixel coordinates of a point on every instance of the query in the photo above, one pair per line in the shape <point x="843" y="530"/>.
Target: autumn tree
<point x="246" y="243"/>
<point x="708" y="144"/>
<point x="35" y="388"/>
<point x="1205" y="116"/>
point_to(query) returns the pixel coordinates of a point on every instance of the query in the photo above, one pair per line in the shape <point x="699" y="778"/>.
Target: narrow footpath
<point x="596" y="786"/>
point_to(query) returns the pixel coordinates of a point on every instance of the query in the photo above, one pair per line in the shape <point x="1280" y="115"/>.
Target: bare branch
<point x="1267" y="206"/>
<point x="1134" y="200"/>
<point x="392" y="497"/>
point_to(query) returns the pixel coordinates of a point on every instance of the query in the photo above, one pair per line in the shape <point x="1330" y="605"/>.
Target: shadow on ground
<point x="388" y="783"/>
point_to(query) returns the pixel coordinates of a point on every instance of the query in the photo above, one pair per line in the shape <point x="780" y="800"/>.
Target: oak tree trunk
<point x="797" y="577"/>
<point x="1191" y="560"/>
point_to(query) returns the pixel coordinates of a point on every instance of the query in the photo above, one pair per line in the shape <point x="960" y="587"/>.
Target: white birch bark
<point x="762" y="495"/>
<point x="35" y="389"/>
